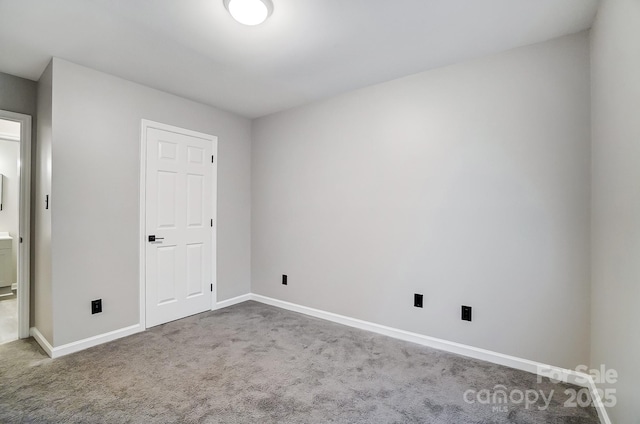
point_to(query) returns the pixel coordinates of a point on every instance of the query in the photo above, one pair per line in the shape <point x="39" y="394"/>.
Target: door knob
<point x="153" y="238"/>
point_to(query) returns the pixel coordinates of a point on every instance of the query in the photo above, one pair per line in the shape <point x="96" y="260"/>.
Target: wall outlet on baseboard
<point x="284" y="280"/>
<point x="96" y="306"/>
<point x="417" y="300"/>
<point x="466" y="313"/>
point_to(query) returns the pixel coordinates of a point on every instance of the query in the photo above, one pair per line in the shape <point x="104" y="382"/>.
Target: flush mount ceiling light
<point x="249" y="12"/>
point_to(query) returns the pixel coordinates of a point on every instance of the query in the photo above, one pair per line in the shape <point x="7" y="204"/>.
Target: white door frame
<point x="147" y="124"/>
<point x="24" y="251"/>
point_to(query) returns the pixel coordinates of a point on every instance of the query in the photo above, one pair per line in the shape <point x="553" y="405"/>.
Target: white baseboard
<point x="569" y="376"/>
<point x="56" y="352"/>
<point x="597" y="402"/>
<point x="231" y="302"/>
<point x="42" y="341"/>
<point x="453" y="347"/>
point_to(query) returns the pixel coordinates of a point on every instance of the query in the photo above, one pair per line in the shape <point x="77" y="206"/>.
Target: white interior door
<point x="179" y="221"/>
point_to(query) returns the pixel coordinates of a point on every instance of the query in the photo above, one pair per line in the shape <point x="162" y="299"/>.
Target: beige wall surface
<point x="17" y="94"/>
<point x="468" y="184"/>
<point x="95" y="195"/>
<point x="616" y="201"/>
<point x="42" y="298"/>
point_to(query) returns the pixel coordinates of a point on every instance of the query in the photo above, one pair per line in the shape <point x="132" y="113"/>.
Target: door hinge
<point x="212" y="222"/>
<point x="212" y="158"/>
<point x="211" y="287"/>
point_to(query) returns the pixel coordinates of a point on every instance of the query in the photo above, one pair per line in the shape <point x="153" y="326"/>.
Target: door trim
<point x="145" y="126"/>
<point x="24" y="251"/>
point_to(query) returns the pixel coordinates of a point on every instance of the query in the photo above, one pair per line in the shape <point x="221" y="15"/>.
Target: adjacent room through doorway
<point x="9" y="228"/>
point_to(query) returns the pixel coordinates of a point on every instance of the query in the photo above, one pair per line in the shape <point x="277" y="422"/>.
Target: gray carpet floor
<point x="253" y="363"/>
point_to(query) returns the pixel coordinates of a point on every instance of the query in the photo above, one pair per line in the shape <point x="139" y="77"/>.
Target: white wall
<point x="616" y="200"/>
<point x="94" y="199"/>
<point x="469" y="184"/>
<point x="42" y="299"/>
<point x="9" y="216"/>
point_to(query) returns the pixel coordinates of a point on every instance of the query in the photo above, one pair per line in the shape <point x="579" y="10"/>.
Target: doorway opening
<point x="15" y="215"/>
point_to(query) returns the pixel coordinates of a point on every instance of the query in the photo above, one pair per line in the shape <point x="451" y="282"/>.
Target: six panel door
<point x="178" y="215"/>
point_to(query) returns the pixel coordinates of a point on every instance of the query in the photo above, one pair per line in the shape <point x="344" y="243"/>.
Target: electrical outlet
<point x="96" y="306"/>
<point x="284" y="280"/>
<point x="466" y="313"/>
<point x="417" y="300"/>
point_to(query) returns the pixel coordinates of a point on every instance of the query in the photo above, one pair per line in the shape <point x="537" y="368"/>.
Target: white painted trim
<point x="214" y="229"/>
<point x="24" y="281"/>
<point x="563" y="374"/>
<point x="600" y="408"/>
<point x="66" y="349"/>
<point x="453" y="347"/>
<point x="24" y="250"/>
<point x="566" y="375"/>
<point x="145" y="125"/>
<point x="232" y="301"/>
<point x="142" y="206"/>
<point x="42" y="341"/>
<point x="9" y="137"/>
<point x="56" y="352"/>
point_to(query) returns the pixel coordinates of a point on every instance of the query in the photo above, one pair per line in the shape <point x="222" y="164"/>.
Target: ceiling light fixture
<point x="249" y="12"/>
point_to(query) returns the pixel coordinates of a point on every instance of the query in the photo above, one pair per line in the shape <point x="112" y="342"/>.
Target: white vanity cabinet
<point x="5" y="259"/>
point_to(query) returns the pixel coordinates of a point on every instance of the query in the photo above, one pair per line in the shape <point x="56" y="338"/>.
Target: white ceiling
<point x="307" y="50"/>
